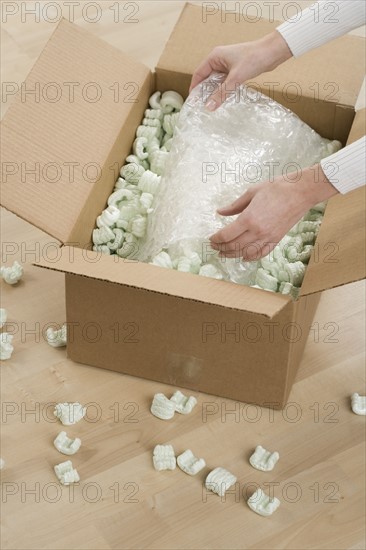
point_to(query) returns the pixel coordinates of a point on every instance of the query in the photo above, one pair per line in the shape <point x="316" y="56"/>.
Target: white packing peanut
<point x="103" y="248"/>
<point x="152" y="123"/>
<point x="263" y="460"/>
<point x="127" y="211"/>
<point x="66" y="445"/>
<point x="57" y="338"/>
<point x="139" y="148"/>
<point x="162" y="407"/>
<point x="121" y="183"/>
<point x="279" y="254"/>
<point x="289" y="289"/>
<point x="195" y="260"/>
<point x="182" y="403"/>
<point x="13" y="274"/>
<point x="308" y="237"/>
<point x="157" y="161"/>
<point x="294" y="243"/>
<point x="294" y="255"/>
<point x="69" y="413"/>
<point x="2" y="463"/>
<point x="132" y="187"/>
<point x="358" y="404"/>
<point x="162" y="260"/>
<point x="149" y="182"/>
<point x="154" y="100"/>
<point x="66" y="474"/>
<point x="265" y="280"/>
<point x="170" y="122"/>
<point x="209" y="270"/>
<point x="108" y="217"/>
<point x="164" y="458"/>
<point x="306" y="226"/>
<point x="270" y="266"/>
<point x="184" y="264"/>
<point x="3" y="316"/>
<point x="122" y="224"/>
<point x="129" y="246"/>
<point x="103" y="234"/>
<point x="154" y="113"/>
<point x="283" y="276"/>
<point x="219" y="481"/>
<point x="170" y="101"/>
<point x="6" y="348"/>
<point x="146" y="200"/>
<point x="149" y="132"/>
<point x="116" y="197"/>
<point x="152" y="146"/>
<point x="119" y="195"/>
<point x="119" y="236"/>
<point x="296" y="272"/>
<point x="135" y="160"/>
<point x="189" y="464"/>
<point x="138" y="226"/>
<point x="167" y="143"/>
<point x="262" y="504"/>
<point x="132" y="172"/>
<point x="313" y="216"/>
<point x="320" y="207"/>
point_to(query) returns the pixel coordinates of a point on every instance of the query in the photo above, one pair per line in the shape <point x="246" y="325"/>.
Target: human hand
<point x="267" y="212"/>
<point x="241" y="62"/>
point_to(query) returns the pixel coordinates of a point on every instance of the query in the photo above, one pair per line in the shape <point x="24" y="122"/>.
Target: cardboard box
<point x="178" y="328"/>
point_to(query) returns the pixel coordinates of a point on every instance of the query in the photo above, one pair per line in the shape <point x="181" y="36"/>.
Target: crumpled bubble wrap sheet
<point x="214" y="158"/>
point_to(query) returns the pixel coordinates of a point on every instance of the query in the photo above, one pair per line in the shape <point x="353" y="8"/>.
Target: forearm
<point x="322" y="22"/>
<point x="273" y="50"/>
<point x="314" y="187"/>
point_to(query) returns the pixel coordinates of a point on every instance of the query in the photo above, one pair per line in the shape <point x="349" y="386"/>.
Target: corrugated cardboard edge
<point x="358" y="129"/>
<point x="156" y="279"/>
<point x="217" y="30"/>
<point x="355" y="201"/>
<point x="11" y="198"/>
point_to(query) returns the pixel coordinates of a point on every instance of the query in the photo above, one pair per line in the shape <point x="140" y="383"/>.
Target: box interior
<point x="69" y="212"/>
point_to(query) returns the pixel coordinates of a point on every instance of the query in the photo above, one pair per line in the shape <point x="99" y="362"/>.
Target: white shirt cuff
<point x="322" y="22"/>
<point x="346" y="169"/>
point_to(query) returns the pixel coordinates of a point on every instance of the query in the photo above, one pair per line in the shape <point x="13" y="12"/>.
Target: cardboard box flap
<point x="328" y="76"/>
<point x="339" y="255"/>
<point x="151" y="278"/>
<point x="358" y="129"/>
<point x="61" y="127"/>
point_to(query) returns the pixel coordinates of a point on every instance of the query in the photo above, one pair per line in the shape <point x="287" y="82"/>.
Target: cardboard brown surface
<point x="151" y="278"/>
<point x="81" y="234"/>
<point x="171" y="310"/>
<point x="325" y="72"/>
<point x="37" y="131"/>
<point x="339" y="254"/>
<point x="358" y="129"/>
<point x="340" y="249"/>
<point x="303" y="315"/>
<point x="189" y="344"/>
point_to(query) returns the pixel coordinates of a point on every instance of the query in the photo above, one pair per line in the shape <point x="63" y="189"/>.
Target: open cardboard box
<point x="178" y="328"/>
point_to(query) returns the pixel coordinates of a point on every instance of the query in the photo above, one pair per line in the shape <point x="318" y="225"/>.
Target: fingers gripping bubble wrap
<point x="214" y="158"/>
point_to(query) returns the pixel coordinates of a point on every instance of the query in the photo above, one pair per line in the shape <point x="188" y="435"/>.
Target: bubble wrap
<point x="214" y="158"/>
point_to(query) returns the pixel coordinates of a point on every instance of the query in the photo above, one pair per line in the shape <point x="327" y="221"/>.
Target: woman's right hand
<point x="241" y="62"/>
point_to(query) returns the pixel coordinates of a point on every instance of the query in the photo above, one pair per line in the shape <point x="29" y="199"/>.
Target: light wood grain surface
<point x="121" y="502"/>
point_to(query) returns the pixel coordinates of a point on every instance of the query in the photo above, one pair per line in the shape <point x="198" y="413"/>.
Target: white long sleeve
<point x="322" y="22"/>
<point x="346" y="169"/>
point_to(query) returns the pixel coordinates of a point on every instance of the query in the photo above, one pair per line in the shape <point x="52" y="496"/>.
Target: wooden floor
<point x="121" y="501"/>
